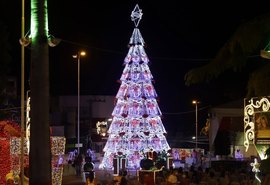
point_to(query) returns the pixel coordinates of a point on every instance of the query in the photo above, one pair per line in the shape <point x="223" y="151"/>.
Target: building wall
<point x="92" y="109"/>
<point x="229" y="117"/>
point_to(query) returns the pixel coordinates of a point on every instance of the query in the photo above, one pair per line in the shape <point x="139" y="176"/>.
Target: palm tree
<point x="241" y="52"/>
<point x="40" y="151"/>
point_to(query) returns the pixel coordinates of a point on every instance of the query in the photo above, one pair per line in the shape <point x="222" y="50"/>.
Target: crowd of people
<point x="182" y="176"/>
<point x="195" y="174"/>
<point x="208" y="176"/>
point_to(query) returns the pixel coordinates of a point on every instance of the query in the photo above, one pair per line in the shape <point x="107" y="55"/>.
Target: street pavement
<point x="72" y="180"/>
<point x="102" y="176"/>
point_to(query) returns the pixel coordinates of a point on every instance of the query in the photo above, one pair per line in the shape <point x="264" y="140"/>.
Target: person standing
<point x="78" y="164"/>
<point x="88" y="168"/>
<point x="91" y="180"/>
<point x="172" y="178"/>
<point x="194" y="155"/>
<point x="265" y="169"/>
<point x="124" y="180"/>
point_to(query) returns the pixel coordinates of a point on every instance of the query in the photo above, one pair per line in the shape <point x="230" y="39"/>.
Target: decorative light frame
<point x="102" y="128"/>
<point x="253" y="106"/>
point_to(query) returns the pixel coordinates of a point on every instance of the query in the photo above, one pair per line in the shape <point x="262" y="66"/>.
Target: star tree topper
<point x="136" y="15"/>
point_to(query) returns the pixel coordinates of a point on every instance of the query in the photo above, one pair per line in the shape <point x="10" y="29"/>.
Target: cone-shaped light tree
<point x="136" y="126"/>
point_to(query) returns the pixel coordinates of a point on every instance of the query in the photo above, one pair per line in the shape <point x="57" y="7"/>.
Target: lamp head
<point x="195" y="102"/>
<point x="52" y="41"/>
<point x="80" y="53"/>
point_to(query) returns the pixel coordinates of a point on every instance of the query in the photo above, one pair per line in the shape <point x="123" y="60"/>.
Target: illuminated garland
<point x="8" y="129"/>
<point x="5" y="159"/>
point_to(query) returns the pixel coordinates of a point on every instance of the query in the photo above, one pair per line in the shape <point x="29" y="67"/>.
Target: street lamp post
<point x="22" y="94"/>
<point x="196" y="123"/>
<point x="78" y="56"/>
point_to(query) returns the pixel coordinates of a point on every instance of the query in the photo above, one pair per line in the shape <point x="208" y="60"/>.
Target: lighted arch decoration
<point x="10" y="152"/>
<point x="57" y="149"/>
<point x="256" y="109"/>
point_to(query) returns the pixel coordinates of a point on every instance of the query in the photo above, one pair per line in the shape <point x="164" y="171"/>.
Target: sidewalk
<point x="102" y="176"/>
<point x="72" y="180"/>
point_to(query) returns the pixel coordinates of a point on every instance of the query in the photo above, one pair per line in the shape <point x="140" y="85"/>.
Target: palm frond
<point x="249" y="38"/>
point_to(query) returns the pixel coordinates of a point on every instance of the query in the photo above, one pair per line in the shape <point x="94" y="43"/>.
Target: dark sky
<point x="180" y="35"/>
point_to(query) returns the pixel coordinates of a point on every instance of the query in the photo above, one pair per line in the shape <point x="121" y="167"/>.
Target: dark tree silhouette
<point x="238" y="52"/>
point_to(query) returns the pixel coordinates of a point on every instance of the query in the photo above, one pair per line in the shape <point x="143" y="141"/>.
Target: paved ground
<point x="102" y="176"/>
<point x="72" y="180"/>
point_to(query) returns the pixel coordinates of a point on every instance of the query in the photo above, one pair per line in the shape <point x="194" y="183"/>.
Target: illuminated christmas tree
<point x="136" y="127"/>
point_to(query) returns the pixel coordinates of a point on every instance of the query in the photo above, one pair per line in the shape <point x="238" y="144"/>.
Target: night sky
<point x="179" y="35"/>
